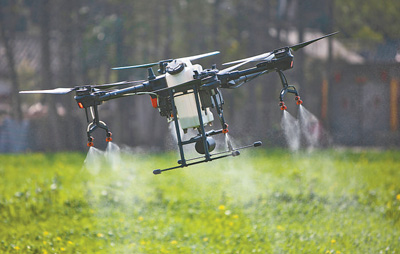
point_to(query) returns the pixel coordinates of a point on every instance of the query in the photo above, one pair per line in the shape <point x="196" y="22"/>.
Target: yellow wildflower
<point x="333" y="241"/>
<point x="142" y="242"/>
<point x="280" y="228"/>
<point x="164" y="250"/>
<point x="62" y="249"/>
<point x="174" y="242"/>
<point x="45" y="252"/>
<point x="100" y="235"/>
<point x="140" y="218"/>
<point x="221" y="207"/>
<point x="70" y="243"/>
<point x="45" y="233"/>
<point x="58" y="238"/>
<point x="398" y="196"/>
<point x="235" y="216"/>
<point x="16" y="248"/>
<point x="44" y="242"/>
<point x="338" y="252"/>
<point x="205" y="239"/>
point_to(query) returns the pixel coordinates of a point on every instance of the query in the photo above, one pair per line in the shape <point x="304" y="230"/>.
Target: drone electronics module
<point x="185" y="93"/>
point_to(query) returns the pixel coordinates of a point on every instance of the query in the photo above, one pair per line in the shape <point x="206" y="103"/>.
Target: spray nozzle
<point x="225" y="128"/>
<point x="282" y="105"/>
<point x="109" y="138"/>
<point x="298" y="100"/>
<point x="90" y="141"/>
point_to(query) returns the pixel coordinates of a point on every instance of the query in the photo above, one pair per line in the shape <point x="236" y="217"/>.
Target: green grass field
<point x="265" y="201"/>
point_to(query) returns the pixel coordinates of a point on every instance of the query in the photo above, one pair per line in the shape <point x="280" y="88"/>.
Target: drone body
<point x="186" y="94"/>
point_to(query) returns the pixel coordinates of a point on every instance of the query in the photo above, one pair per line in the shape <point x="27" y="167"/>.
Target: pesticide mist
<point x="291" y="130"/>
<point x="93" y="160"/>
<point x="307" y="128"/>
<point x="310" y="127"/>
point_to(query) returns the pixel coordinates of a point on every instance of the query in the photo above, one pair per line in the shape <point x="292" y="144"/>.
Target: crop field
<point x="264" y="201"/>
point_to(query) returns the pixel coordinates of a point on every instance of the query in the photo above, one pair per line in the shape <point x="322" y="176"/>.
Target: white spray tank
<point x="180" y="71"/>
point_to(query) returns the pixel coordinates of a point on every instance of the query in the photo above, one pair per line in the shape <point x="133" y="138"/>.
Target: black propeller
<point x="303" y="44"/>
<point x="268" y="55"/>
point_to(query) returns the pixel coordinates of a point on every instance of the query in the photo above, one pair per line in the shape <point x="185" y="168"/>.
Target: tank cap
<point x="175" y="67"/>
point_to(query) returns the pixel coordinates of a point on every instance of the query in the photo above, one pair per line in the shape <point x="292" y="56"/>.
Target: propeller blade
<point x="51" y="91"/>
<point x="191" y="58"/>
<point x="224" y="71"/>
<point x="303" y="44"/>
<point x="106" y="86"/>
<point x="265" y="56"/>
<point x="245" y="61"/>
<point x="251" y="59"/>
<point x="135" y="66"/>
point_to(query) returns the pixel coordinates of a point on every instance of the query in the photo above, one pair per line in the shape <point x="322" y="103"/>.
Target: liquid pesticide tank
<point x="180" y="71"/>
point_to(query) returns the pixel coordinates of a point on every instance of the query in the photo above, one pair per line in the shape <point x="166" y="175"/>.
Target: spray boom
<point x="287" y="89"/>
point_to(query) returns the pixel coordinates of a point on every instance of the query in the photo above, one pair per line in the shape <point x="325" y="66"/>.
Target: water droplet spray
<point x="310" y="127"/>
<point x="113" y="156"/>
<point x="291" y="130"/>
<point x="94" y="160"/>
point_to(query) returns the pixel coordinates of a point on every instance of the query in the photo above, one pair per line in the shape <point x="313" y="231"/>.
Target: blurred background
<point x="350" y="82"/>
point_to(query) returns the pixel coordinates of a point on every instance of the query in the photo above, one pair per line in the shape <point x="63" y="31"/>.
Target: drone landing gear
<point x="215" y="156"/>
<point x="96" y="123"/>
<point x="204" y="143"/>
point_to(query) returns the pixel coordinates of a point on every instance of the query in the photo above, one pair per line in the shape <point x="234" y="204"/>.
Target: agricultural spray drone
<point x="184" y="93"/>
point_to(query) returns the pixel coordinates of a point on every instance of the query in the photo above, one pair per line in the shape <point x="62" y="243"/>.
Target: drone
<point x="185" y="93"/>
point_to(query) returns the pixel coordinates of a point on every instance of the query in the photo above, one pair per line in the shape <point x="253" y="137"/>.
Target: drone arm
<point x="246" y="78"/>
<point x="282" y="60"/>
<point x="242" y="76"/>
<point x="145" y="87"/>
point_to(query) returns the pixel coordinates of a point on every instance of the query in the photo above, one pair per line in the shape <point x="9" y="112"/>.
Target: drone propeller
<point x="251" y="59"/>
<point x="51" y="91"/>
<point x="111" y="85"/>
<point x="68" y="90"/>
<point x="190" y="58"/>
<point x="139" y="66"/>
<point x="303" y="44"/>
<point x="241" y="62"/>
<point x="265" y="56"/>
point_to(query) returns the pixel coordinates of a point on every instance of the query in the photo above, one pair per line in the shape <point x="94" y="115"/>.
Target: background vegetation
<point x="77" y="42"/>
<point x="270" y="202"/>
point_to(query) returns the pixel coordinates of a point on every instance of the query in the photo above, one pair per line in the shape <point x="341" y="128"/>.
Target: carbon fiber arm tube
<point x="241" y="77"/>
<point x="145" y="87"/>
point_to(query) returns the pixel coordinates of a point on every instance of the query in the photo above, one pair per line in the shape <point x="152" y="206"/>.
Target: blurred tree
<point x="9" y="17"/>
<point x="369" y="20"/>
<point x="82" y="40"/>
<point x="45" y="8"/>
<point x="374" y="24"/>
